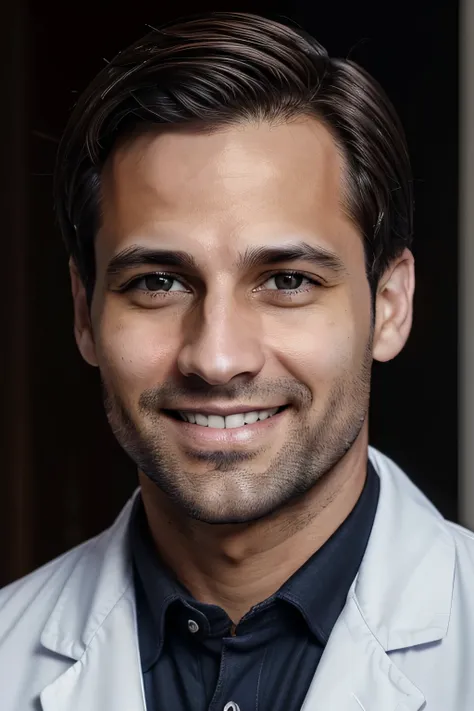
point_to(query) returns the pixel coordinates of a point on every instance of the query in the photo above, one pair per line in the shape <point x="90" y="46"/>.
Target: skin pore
<point x="234" y="522"/>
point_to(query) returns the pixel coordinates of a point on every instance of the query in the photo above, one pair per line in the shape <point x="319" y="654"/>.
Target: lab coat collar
<point x="405" y="583"/>
<point x="400" y="598"/>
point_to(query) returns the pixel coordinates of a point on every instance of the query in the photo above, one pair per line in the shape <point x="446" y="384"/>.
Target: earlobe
<point x="82" y="324"/>
<point x="394" y="308"/>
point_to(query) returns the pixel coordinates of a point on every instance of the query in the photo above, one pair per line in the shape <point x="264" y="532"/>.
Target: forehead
<point x="248" y="181"/>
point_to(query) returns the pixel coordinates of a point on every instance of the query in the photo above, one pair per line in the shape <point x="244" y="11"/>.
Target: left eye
<point x="286" y="280"/>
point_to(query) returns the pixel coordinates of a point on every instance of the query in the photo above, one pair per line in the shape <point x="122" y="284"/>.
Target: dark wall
<point x="64" y="472"/>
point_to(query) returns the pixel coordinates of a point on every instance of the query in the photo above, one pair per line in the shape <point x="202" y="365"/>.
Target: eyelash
<point x="131" y="285"/>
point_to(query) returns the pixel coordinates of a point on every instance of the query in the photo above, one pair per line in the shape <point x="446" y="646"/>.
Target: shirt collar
<point x="318" y="589"/>
<point x="156" y="587"/>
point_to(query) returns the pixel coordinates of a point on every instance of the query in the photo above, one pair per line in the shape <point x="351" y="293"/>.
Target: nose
<point x="223" y="340"/>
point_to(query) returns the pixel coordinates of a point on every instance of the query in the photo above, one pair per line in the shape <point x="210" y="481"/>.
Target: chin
<point x="231" y="516"/>
<point x="225" y="520"/>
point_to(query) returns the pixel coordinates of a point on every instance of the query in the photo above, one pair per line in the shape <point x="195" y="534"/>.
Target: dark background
<point x="63" y="477"/>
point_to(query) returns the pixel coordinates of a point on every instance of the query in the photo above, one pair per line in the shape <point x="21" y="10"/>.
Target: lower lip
<point x="246" y="434"/>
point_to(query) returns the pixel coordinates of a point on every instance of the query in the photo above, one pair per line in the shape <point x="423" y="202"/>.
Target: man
<point x="237" y="208"/>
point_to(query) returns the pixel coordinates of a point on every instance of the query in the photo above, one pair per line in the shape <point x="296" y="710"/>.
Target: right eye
<point x="154" y="282"/>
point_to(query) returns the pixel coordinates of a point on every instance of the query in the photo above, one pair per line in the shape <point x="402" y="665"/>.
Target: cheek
<point x="322" y="351"/>
<point x="134" y="353"/>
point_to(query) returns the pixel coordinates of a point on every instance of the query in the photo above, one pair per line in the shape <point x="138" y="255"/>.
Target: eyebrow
<point x="138" y="256"/>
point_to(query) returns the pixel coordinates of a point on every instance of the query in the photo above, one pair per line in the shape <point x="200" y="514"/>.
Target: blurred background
<point x="63" y="477"/>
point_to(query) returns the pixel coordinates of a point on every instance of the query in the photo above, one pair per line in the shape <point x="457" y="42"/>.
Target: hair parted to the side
<point x="224" y="68"/>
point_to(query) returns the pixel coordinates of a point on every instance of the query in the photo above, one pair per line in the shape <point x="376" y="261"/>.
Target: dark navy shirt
<point x="194" y="660"/>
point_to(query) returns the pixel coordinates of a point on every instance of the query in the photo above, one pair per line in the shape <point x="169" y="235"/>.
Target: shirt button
<point x="231" y="706"/>
<point x="193" y="626"/>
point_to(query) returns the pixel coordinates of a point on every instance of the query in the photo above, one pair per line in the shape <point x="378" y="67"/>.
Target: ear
<point x="394" y="308"/>
<point x="82" y="322"/>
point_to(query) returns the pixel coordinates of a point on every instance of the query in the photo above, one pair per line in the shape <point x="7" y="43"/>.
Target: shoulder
<point x="72" y="578"/>
<point x="464" y="543"/>
<point x="29" y="601"/>
<point x="411" y="526"/>
<point x="463" y="535"/>
<point x="75" y="570"/>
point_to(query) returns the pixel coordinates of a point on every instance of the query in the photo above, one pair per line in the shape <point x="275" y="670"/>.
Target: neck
<point x="238" y="566"/>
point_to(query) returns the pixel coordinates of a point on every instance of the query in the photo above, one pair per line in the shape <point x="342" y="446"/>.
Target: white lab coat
<point x="404" y="641"/>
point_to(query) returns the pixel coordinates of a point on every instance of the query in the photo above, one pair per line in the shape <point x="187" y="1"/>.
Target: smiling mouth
<point x="220" y="422"/>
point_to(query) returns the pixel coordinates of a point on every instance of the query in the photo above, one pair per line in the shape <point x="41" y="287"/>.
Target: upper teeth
<point x="237" y="420"/>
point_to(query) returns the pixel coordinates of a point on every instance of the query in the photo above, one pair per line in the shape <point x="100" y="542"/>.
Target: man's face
<point x="225" y="332"/>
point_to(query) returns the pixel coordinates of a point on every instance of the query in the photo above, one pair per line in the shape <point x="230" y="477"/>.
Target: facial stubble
<point x="230" y="489"/>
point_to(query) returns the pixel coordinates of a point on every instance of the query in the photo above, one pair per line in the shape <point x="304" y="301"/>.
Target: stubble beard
<point x="230" y="489"/>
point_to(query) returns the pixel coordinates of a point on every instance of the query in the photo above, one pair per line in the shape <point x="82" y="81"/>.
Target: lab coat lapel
<point x="355" y="674"/>
<point x="93" y="625"/>
<point x="401" y="598"/>
<point x="108" y="675"/>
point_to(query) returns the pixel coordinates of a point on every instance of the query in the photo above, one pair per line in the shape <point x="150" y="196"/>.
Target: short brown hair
<point x="222" y="68"/>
